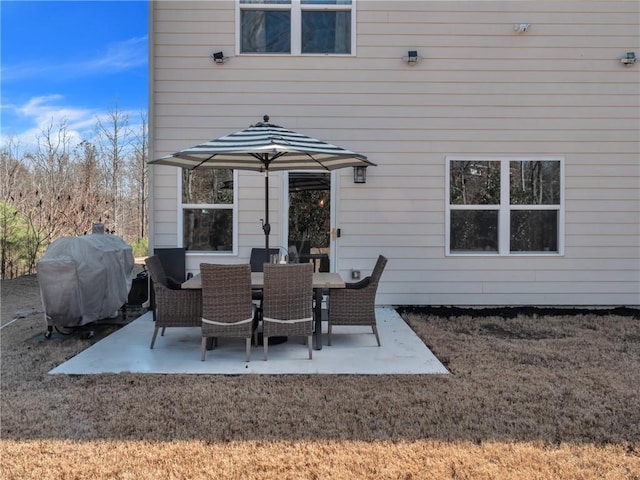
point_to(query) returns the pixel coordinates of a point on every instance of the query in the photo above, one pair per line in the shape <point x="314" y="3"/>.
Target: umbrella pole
<point x="266" y="226"/>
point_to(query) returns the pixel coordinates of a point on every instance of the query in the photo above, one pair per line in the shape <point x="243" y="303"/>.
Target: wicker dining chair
<point x="227" y="310"/>
<point x="173" y="307"/>
<point x="288" y="299"/>
<point x="355" y="304"/>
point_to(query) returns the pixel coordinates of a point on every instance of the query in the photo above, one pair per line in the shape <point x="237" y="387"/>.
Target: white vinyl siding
<point x="480" y="90"/>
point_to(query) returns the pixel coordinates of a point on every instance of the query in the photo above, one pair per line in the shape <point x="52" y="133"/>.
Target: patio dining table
<point x="321" y="281"/>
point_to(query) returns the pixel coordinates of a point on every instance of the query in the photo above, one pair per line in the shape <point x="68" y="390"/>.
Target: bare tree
<point x="47" y="203"/>
<point x="10" y="164"/>
<point x="91" y="203"/>
<point x="114" y="141"/>
<point x="139" y="173"/>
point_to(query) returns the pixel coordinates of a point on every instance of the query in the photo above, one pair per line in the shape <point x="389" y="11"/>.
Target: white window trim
<point x="504" y="209"/>
<point x="296" y="8"/>
<point x="180" y="218"/>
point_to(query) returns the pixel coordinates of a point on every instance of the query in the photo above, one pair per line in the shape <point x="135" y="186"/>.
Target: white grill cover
<point x="83" y="279"/>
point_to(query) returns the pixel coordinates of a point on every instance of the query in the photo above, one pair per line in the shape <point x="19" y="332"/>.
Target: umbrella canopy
<point x="265" y="147"/>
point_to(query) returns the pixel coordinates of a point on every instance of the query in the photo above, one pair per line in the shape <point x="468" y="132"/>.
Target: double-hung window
<point x="208" y="210"/>
<point x="505" y="206"/>
<point x="296" y="26"/>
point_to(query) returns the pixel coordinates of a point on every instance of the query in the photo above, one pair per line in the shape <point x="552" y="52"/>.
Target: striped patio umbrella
<point x="265" y="147"/>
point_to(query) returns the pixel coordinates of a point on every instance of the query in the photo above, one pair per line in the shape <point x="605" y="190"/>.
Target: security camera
<point x="521" y="27"/>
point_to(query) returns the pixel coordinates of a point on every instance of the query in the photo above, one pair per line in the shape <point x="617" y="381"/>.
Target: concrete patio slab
<point x="353" y="351"/>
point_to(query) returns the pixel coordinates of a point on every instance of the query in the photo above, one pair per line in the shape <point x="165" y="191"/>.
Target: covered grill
<point x="84" y="279"/>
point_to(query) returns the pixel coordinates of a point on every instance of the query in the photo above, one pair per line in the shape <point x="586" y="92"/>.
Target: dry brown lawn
<point x="532" y="397"/>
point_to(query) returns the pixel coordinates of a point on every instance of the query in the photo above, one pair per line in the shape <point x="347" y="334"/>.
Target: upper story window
<point x="208" y="213"/>
<point x="296" y="26"/>
<point x="505" y="206"/>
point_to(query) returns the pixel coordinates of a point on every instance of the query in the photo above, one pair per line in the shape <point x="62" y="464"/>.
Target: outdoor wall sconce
<point x="219" y="58"/>
<point x="521" y="27"/>
<point x="629" y="59"/>
<point x="412" y="57"/>
<point x="360" y="174"/>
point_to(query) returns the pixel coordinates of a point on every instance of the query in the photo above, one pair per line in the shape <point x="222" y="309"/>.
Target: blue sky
<point x="73" y="61"/>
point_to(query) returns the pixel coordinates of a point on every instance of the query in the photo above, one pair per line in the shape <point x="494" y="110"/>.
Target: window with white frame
<point x="296" y="26"/>
<point x="505" y="206"/>
<point x="208" y="210"/>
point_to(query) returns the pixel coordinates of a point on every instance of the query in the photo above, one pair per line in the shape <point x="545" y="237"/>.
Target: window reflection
<point x="474" y="231"/>
<point x="208" y="186"/>
<point x="535" y="183"/>
<point x="326" y="32"/>
<point x="265" y="31"/>
<point x="208" y="229"/>
<point x="534" y="231"/>
<point x="475" y="183"/>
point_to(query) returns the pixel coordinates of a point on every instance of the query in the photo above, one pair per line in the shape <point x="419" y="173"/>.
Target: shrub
<point x="141" y="247"/>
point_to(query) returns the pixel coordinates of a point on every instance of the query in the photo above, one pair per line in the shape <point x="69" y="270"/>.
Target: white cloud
<point x="42" y="113"/>
<point x="130" y="53"/>
<point x="39" y="114"/>
<point x="46" y="109"/>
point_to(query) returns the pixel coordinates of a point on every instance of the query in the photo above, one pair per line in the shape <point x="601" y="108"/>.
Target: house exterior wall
<point x="481" y="89"/>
